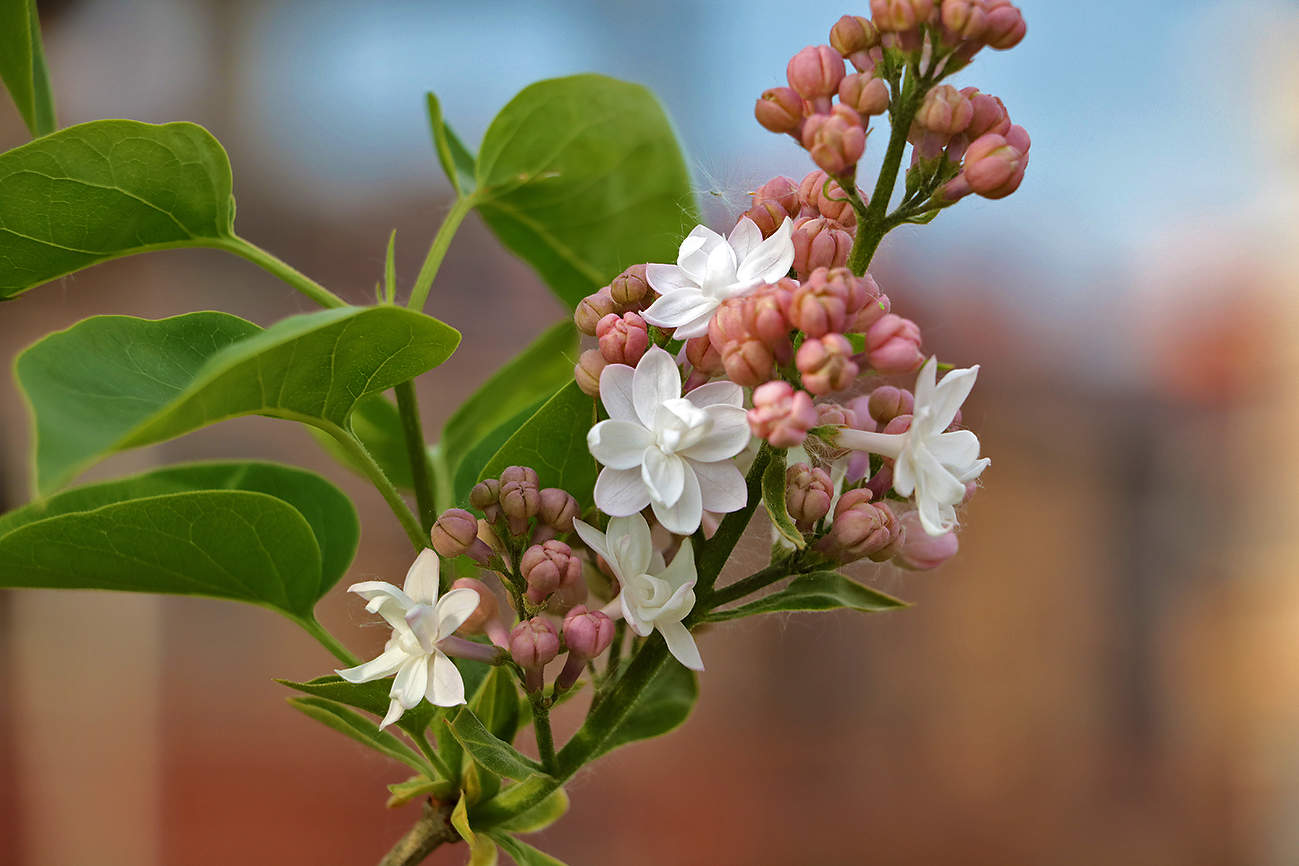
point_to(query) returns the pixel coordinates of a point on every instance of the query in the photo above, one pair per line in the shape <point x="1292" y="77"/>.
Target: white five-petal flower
<point x="420" y="621"/>
<point x="653" y="596"/>
<point x="667" y="451"/>
<point x="710" y="269"/>
<point x="933" y="464"/>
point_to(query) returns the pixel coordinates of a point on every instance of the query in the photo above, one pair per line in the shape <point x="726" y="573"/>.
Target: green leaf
<point x="540" y="816"/>
<point x="471" y="464"/>
<point x="371" y="697"/>
<point x="456" y="160"/>
<point x="663" y="705"/>
<point x="553" y="442"/>
<point x="773" y="497"/>
<point x="114" y="382"/>
<point x="482" y="850"/>
<point x="495" y="755"/>
<point x="542" y="368"/>
<point x="109" y="188"/>
<point x="522" y="853"/>
<point x="583" y="177"/>
<point x="820" y="590"/>
<point x="416" y="787"/>
<point x="496" y="704"/>
<point x="359" y="728"/>
<point x="22" y="64"/>
<point x="327" y="510"/>
<point x="390" y="270"/>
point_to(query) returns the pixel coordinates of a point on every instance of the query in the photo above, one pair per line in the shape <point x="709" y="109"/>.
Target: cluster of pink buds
<point x="971" y="132"/>
<point x="824" y="220"/>
<point x="514" y="507"/>
<point x="535" y="643"/>
<point x="612" y="315"/>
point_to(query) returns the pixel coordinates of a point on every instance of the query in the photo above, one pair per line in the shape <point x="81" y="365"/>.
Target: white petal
<point x="395" y="709"/>
<point x="721" y="486"/>
<point x="411" y="682"/>
<point x="935" y="517"/>
<point x="728" y="434"/>
<point x="632" y="615"/>
<point x="620" y="492"/>
<point x="683" y="517"/>
<point x="697" y="326"/>
<point x="384" y="599"/>
<point x="681" y="573"/>
<point x="973" y="471"/>
<point x="955" y="450"/>
<point x="744" y="238"/>
<point x="594" y="539"/>
<point x="925" y="383"/>
<point x="719" y="393"/>
<point x="681" y="644"/>
<point x="423" y="621"/>
<point x="656" y="380"/>
<point x="422" y="578"/>
<point x="949" y="394"/>
<point x="446" y="688"/>
<point x="615" y="392"/>
<point x="904" y="474"/>
<point x="631" y="543"/>
<point x="678" y="605"/>
<point x="721" y="271"/>
<point x="771" y="259"/>
<point x="668" y="279"/>
<point x="453" y="609"/>
<point x="620" y="444"/>
<point x="692" y="256"/>
<point x="384" y="665"/>
<point x="664" y="475"/>
<point x="680" y="308"/>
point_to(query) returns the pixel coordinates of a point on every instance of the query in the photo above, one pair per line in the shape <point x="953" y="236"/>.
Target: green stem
<point x="281" y="269"/>
<point x="433" y="757"/>
<point x="331" y="643"/>
<point x="438" y="250"/>
<point x="421" y="470"/>
<point x="872" y="228"/>
<point x="374" y="472"/>
<point x="751" y="584"/>
<point x="712" y="554"/>
<point x="541" y="724"/>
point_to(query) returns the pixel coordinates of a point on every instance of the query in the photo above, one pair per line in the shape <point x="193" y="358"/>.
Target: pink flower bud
<point x="533" y="645"/>
<point x="864" y="94"/>
<point x="781" y="415"/>
<point x="828" y="300"/>
<point x="485" y="617"/>
<point x="590" y="364"/>
<point x="808" y="493"/>
<point x="819" y="242"/>
<point x="1006" y="26"/>
<point x="994" y="167"/>
<point x="897" y="16"/>
<point x="835" y="141"/>
<point x="893" y="345"/>
<point x="826" y="363"/>
<point x="630" y="290"/>
<point x="456" y="534"/>
<point x="853" y="37"/>
<point x="815" y="72"/>
<point x="887" y="402"/>
<point x="485" y="496"/>
<point x="989" y="114"/>
<point x="780" y="109"/>
<point x="587" y="633"/>
<point x="861" y="528"/>
<point x="748" y="363"/>
<point x="773" y="202"/>
<point x="558" y="508"/>
<point x="875" y="308"/>
<point x="520" y="497"/>
<point x="917" y="550"/>
<point x="834" y="414"/>
<point x="591" y="309"/>
<point x="703" y="356"/>
<point x="623" y="339"/>
<point x="546" y="566"/>
<point x="963" y="19"/>
<point x="819" y="194"/>
<point x="758" y="318"/>
<point x="945" y="111"/>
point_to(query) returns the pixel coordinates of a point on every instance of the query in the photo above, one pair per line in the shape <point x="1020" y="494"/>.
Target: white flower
<point x="710" y="269"/>
<point x="664" y="450"/>
<point x="653" y="596"/>
<point x="932" y="464"/>
<point x="420" y="621"/>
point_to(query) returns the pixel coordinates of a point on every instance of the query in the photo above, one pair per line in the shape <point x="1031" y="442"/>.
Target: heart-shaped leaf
<point x="820" y="590"/>
<point x="553" y="442"/>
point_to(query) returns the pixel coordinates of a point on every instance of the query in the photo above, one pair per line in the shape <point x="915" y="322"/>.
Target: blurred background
<point x="1109" y="671"/>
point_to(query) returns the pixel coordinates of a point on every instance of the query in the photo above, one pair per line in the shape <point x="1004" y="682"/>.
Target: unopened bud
<point x="455" y="533"/>
<point x="484" y="618"/>
<point x="917" y="550"/>
<point x="545" y="566"/>
<point x="945" y="111"/>
<point x="808" y="493"/>
<point x="875" y="308"/>
<point x="887" y="402"/>
<point x="533" y="645"/>
<point x="586" y="635"/>
<point x="558" y="508"/>
<point x="1006" y="26"/>
<point x="623" y="339"/>
<point x="853" y="36"/>
<point x="590" y="364"/>
<point x="748" y="363"/>
<point x="898" y="16"/>
<point x="964" y="19"/>
<point x="893" y="345"/>
<point x="835" y="141"/>
<point x="780" y="109"/>
<point x="781" y="415"/>
<point x="819" y="243"/>
<point x="815" y="72"/>
<point x="826" y="301"/>
<point x="520" y="497"/>
<point x="630" y="290"/>
<point x="591" y="309"/>
<point x="485" y="496"/>
<point x="818" y="193"/>
<point x="994" y="166"/>
<point x="832" y="414"/>
<point x="861" y="528"/>
<point x="864" y="94"/>
<point x="826" y="363"/>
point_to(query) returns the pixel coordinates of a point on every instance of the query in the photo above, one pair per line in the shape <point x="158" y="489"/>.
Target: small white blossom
<point x="933" y="464"/>
<point x="420" y="622"/>
<point x="653" y="596"/>
<point x="710" y="269"/>
<point x="670" y="452"/>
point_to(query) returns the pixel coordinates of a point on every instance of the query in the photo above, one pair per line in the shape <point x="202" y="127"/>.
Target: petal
<point x="384" y="665"/>
<point x="386" y="600"/>
<point x="721" y="486"/>
<point x="422" y="578"/>
<point x="904" y="474"/>
<point x="423" y="622"/>
<point x="692" y="256"/>
<point x="620" y="444"/>
<point x="682" y="518"/>
<point x="664" y="475"/>
<point x="681" y="644"/>
<point x="728" y="434"/>
<point x="620" y="492"/>
<point x="411" y="682"/>
<point x="925" y="380"/>
<point x="949" y="394"/>
<point x="721" y="271"/>
<point x="594" y="539"/>
<point x="454" y="608"/>
<point x="769" y="260"/>
<point x="630" y="542"/>
<point x="679" y="604"/>
<point x="744" y="238"/>
<point x="446" y="688"/>
<point x="681" y="573"/>
<point x="936" y="518"/>
<point x="668" y="279"/>
<point x="656" y="380"/>
<point x="615" y="392"/>
<point x="719" y="393"/>
<point x="395" y="709"/>
<point x="679" y="308"/>
<point x="632" y="615"/>
<point x="955" y="450"/>
<point x="973" y="471"/>
<point x="697" y="326"/>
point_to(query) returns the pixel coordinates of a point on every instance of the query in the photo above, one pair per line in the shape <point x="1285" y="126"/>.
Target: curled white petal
<point x="446" y="688"/>
<point x="619" y="444"/>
